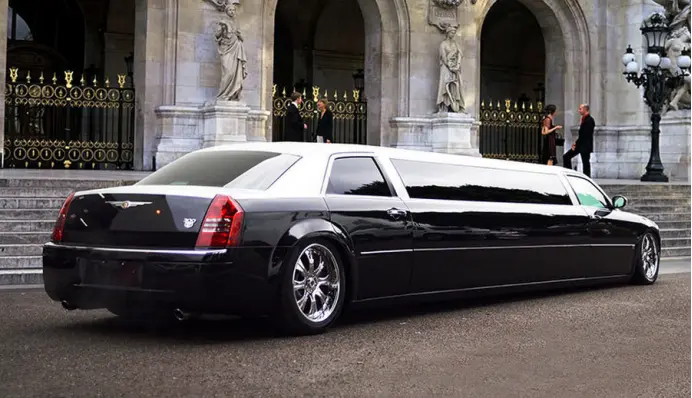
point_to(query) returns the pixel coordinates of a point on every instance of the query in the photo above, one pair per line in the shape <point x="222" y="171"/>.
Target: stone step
<point x="660" y="218"/>
<point x="654" y="200"/>
<point x="673" y="224"/>
<point x="647" y="188"/>
<point x="675" y="233"/>
<point x="62" y="183"/>
<point x="24" y="238"/>
<point x="29" y="214"/>
<point x="31" y="203"/>
<point x="27" y="225"/>
<point x="673" y="252"/>
<point x="660" y="208"/>
<point x="674" y="242"/>
<point x="21" y="250"/>
<point x="21" y="262"/>
<point x="21" y="277"/>
<point x="41" y="192"/>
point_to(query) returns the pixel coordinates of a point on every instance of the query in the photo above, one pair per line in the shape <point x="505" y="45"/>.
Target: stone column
<point x="148" y="77"/>
<point x="3" y="71"/>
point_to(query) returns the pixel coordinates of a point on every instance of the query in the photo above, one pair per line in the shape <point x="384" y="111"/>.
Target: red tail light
<point x="56" y="236"/>
<point x="222" y="224"/>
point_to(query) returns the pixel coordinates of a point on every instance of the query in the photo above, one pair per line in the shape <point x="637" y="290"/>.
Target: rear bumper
<point x="215" y="281"/>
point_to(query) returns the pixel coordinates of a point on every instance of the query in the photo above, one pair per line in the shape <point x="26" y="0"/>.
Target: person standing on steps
<point x="584" y="144"/>
<point x="548" y="131"/>
<point x="294" y="121"/>
<point x="324" y="124"/>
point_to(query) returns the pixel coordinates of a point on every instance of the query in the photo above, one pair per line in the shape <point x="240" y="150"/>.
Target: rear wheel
<point x="313" y="289"/>
<point x="647" y="260"/>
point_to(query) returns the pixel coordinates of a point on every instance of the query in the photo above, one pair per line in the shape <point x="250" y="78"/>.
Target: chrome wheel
<point x="316" y="283"/>
<point x="650" y="257"/>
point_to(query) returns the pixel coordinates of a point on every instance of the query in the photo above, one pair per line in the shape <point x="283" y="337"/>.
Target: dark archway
<point x="513" y="54"/>
<point x="320" y="45"/>
<point x="45" y="36"/>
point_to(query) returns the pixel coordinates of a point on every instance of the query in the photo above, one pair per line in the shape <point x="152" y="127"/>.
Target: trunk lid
<point x="138" y="217"/>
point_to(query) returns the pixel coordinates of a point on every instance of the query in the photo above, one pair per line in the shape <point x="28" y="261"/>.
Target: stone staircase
<point x="28" y="210"/>
<point x="668" y="205"/>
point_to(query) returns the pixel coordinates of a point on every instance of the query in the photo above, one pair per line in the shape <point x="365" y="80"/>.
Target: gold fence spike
<point x="523" y="106"/>
<point x="68" y="78"/>
<point x="498" y="105"/>
<point x="515" y="106"/>
<point x="14" y="74"/>
<point x="107" y="82"/>
<point x="284" y="92"/>
<point x="490" y="103"/>
<point x="273" y="90"/>
<point x="483" y="104"/>
<point x="345" y="96"/>
<point x="326" y="94"/>
<point x="95" y="82"/>
<point x="304" y="93"/>
<point x="82" y="81"/>
<point x="531" y="107"/>
<point x="28" y="77"/>
<point x="41" y="79"/>
<point x="336" y="96"/>
<point x="55" y="78"/>
<point x="121" y="81"/>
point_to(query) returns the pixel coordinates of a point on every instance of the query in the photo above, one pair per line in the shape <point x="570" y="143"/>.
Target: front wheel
<point x="313" y="288"/>
<point x="647" y="260"/>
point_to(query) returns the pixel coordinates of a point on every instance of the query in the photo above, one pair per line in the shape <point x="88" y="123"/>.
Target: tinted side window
<point x="425" y="180"/>
<point x="357" y="176"/>
<point x="587" y="193"/>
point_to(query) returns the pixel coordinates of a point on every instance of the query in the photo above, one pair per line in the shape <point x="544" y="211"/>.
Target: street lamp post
<point x="659" y="79"/>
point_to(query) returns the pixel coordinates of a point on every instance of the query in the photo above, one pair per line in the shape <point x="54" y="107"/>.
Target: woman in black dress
<point x="324" y="123"/>
<point x="548" y="129"/>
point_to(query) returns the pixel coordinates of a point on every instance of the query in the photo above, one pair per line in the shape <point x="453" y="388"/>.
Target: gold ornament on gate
<point x="14" y="74"/>
<point x="315" y="93"/>
<point x="68" y="78"/>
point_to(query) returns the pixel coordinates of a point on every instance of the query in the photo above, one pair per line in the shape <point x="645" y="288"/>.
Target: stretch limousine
<point x="297" y="231"/>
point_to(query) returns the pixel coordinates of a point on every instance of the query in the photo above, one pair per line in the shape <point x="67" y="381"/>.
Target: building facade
<point x="138" y="83"/>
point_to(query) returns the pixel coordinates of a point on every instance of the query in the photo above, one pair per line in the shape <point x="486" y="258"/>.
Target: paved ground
<point x="620" y="341"/>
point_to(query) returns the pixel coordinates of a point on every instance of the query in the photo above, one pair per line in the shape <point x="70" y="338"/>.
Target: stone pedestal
<point x="257" y="125"/>
<point x="225" y="122"/>
<point x="410" y="133"/>
<point x="454" y="133"/>
<point x="181" y="132"/>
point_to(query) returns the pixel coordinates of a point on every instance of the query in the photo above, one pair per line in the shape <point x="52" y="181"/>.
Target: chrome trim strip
<point x="386" y="251"/>
<point x="435" y="249"/>
<point x="490" y="287"/>
<point x="144" y="251"/>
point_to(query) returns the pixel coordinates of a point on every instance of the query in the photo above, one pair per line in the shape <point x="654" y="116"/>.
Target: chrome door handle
<point x="396" y="213"/>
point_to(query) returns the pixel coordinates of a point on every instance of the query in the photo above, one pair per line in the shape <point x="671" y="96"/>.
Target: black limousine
<point x="297" y="231"/>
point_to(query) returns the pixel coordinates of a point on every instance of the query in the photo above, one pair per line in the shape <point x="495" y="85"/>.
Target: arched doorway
<point x="512" y="91"/>
<point x="64" y="107"/>
<point x="386" y="62"/>
<point x="319" y="49"/>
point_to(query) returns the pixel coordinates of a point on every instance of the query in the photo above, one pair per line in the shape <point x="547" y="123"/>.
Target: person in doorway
<point x="325" y="121"/>
<point x="548" y="131"/>
<point x="295" y="126"/>
<point x="584" y="144"/>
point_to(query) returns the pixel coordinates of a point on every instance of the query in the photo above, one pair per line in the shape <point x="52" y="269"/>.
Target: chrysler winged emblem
<point x="126" y="204"/>
<point x="189" y="222"/>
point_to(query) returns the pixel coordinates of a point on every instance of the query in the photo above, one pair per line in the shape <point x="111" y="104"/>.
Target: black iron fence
<point x="512" y="131"/>
<point x="52" y="124"/>
<point x="350" y="115"/>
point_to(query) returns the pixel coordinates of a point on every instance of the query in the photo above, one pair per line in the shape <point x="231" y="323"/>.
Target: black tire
<point x="647" y="260"/>
<point x="288" y="316"/>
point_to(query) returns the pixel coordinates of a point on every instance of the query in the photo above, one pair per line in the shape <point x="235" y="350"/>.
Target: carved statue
<point x="678" y="12"/>
<point x="231" y="51"/>
<point x="680" y="98"/>
<point x="449" y="97"/>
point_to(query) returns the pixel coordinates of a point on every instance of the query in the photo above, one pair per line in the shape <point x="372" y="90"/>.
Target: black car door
<point x="612" y="240"/>
<point x="363" y="204"/>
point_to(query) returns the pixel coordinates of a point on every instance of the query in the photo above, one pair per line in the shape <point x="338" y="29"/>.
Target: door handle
<point x="396" y="213"/>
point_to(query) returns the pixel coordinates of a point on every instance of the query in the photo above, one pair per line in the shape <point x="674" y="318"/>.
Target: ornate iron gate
<point x="350" y="115"/>
<point x="512" y="132"/>
<point x="64" y="125"/>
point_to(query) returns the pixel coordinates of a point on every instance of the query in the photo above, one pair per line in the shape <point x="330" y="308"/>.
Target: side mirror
<point x="619" y="202"/>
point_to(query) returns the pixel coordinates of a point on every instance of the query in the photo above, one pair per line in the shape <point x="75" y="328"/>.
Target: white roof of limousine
<point x="313" y="149"/>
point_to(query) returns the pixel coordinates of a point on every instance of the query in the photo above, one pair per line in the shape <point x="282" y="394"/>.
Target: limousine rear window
<point x="357" y="176"/>
<point x="232" y="169"/>
<point x="427" y="180"/>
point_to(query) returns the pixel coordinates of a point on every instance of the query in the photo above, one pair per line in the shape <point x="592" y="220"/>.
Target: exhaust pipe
<point x="181" y="315"/>
<point x="68" y="306"/>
